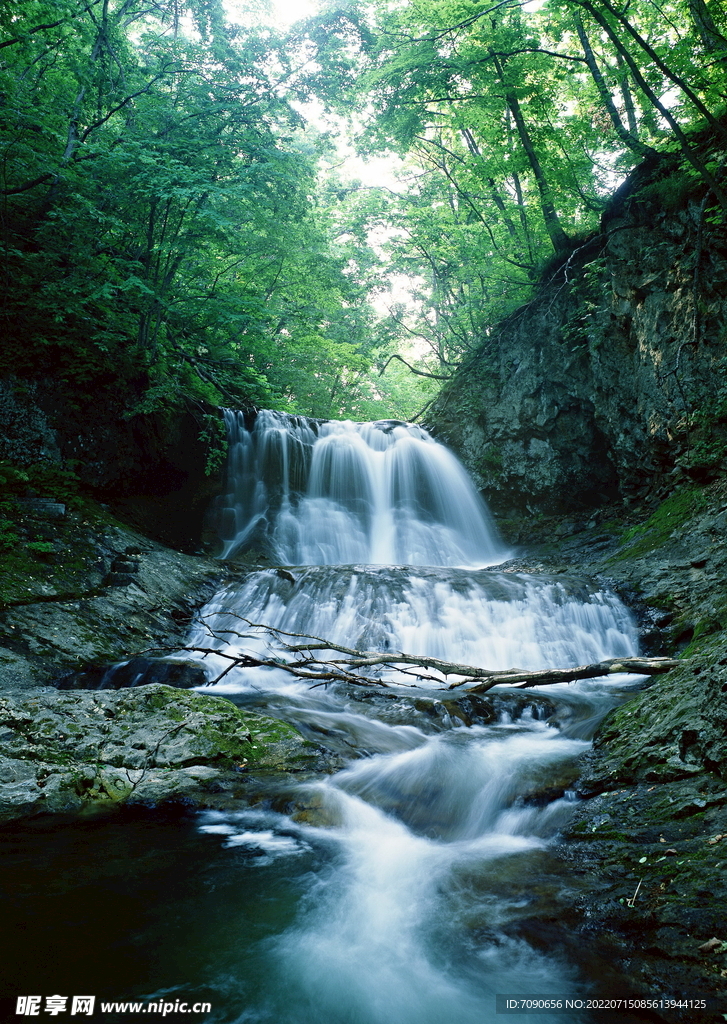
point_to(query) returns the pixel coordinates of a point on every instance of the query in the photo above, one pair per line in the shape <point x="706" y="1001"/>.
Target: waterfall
<point x="391" y="549"/>
<point x="473" y="617"/>
<point x="329" y="493"/>
<point x="419" y="880"/>
<point x="418" y="854"/>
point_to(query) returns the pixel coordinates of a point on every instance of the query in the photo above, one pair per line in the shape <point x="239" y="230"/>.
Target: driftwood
<point x="322" y="671"/>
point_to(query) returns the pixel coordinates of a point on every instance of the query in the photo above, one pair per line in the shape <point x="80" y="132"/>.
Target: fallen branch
<point x="322" y="676"/>
<point x="324" y="670"/>
<point x="548" y="676"/>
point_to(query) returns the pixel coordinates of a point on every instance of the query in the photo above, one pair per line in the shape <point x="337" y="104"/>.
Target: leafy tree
<point x="168" y="231"/>
<point x="162" y="221"/>
<point x="515" y="125"/>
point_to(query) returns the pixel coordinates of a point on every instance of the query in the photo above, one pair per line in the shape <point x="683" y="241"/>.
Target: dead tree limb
<point x="321" y="676"/>
<point x="306" y="664"/>
<point x="523" y="678"/>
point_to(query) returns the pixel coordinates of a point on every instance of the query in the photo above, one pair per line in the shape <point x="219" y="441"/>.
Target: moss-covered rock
<point x="676" y="729"/>
<point x="66" y="751"/>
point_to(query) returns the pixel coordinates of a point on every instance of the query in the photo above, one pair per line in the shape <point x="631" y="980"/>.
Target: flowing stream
<point x="418" y="882"/>
<point x="438" y="830"/>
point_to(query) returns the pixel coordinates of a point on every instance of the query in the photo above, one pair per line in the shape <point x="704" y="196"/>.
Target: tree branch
<point x="419" y="373"/>
<point x="547" y="677"/>
<point x="51" y="24"/>
<point x="324" y="670"/>
<point x="460" y="24"/>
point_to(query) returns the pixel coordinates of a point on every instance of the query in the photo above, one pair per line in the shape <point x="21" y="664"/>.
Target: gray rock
<point x="59" y="619"/>
<point x="594" y="387"/>
<point x="60" y="752"/>
<point x="179" y="672"/>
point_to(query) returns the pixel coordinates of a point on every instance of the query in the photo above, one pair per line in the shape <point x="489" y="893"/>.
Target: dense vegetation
<point x="164" y="229"/>
<point x="519" y="121"/>
<point x="174" y="229"/>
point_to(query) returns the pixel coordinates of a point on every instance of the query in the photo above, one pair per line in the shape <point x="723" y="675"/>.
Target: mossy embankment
<point x="81" y="590"/>
<point x="648" y="838"/>
<point x="650" y="834"/>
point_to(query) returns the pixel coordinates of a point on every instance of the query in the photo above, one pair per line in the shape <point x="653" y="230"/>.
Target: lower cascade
<point x="410" y="887"/>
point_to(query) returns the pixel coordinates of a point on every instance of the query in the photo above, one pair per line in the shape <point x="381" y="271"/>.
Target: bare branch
<point x="323" y="670"/>
<point x="547" y="677"/>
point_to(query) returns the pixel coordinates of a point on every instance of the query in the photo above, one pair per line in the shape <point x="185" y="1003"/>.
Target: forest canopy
<point x="177" y="225"/>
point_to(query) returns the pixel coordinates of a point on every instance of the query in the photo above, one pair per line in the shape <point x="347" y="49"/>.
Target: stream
<point x="417" y="883"/>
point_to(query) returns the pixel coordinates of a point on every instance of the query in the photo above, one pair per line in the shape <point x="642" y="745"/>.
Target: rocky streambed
<point x="646" y="843"/>
<point x="649" y="836"/>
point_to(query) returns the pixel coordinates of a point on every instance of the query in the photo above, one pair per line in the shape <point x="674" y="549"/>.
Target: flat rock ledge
<point x="65" y="752"/>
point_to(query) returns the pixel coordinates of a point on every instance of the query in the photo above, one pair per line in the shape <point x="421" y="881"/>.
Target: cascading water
<point x="425" y="861"/>
<point x="330" y="493"/>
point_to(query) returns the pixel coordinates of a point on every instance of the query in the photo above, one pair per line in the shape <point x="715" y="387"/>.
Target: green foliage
<point x="163" y="229"/>
<point x="171" y="231"/>
<point x="673" y="191"/>
<point x="41" y="547"/>
<point x="12" y="477"/>
<point x="213" y="434"/>
<point x="515" y="125"/>
<point x="709" y="454"/>
<point x="708" y="434"/>
<point x="9" y="539"/>
<point x="586" y="294"/>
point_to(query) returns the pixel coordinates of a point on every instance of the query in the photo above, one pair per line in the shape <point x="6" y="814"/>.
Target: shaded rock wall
<point x="151" y="468"/>
<point x="611" y="381"/>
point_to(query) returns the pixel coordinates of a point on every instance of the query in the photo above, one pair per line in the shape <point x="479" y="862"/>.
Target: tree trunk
<point x="654" y="56"/>
<point x="605" y="93"/>
<point x="711" y="38"/>
<point x="689" y="153"/>
<point x="628" y="97"/>
<point x="557" y="235"/>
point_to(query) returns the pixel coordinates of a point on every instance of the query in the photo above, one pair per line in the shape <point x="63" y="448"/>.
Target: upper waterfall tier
<point x="328" y="493"/>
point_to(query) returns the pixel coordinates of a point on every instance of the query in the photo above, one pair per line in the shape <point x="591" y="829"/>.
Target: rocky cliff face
<point x="157" y="470"/>
<point x="611" y="380"/>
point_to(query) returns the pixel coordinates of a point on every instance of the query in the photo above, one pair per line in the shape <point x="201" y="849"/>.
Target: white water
<point x="330" y="493"/>
<point x="438" y="838"/>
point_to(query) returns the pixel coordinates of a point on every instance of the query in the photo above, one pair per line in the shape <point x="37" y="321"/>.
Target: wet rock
<point x="123" y="569"/>
<point x="46" y="508"/>
<point x="119" y="579"/>
<point x="64" y="751"/>
<point x="672" y="730"/>
<point x="657" y="837"/>
<point x="655" y="785"/>
<point x="447" y="710"/>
